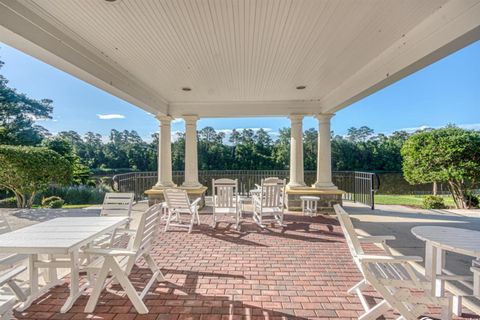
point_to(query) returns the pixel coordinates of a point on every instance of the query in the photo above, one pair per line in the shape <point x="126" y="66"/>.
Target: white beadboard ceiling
<point x="234" y="52"/>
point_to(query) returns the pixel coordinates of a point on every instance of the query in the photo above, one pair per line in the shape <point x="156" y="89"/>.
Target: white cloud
<point x="110" y="116"/>
<point x="470" y="126"/>
<point x="178" y="120"/>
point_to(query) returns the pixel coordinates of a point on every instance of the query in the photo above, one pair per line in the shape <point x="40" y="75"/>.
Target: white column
<point x="324" y="153"/>
<point x="164" y="153"/>
<point x="191" y="154"/>
<point x="296" y="151"/>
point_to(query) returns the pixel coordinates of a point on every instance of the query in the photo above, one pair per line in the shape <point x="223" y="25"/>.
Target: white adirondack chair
<point x="8" y="260"/>
<point x="269" y="201"/>
<point x="7" y="300"/>
<point x="393" y="277"/>
<point x="178" y="203"/>
<point x="115" y="205"/>
<point x="119" y="261"/>
<point x="225" y="201"/>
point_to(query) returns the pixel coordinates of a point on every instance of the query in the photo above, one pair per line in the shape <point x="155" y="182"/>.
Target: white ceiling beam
<point x="230" y="109"/>
<point x="25" y="30"/>
<point x="451" y="28"/>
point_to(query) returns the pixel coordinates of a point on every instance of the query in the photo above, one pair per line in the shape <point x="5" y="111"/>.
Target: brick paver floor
<point x="302" y="272"/>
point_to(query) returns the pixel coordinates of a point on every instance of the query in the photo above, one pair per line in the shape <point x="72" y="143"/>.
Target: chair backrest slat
<point x="117" y="204"/>
<point x="148" y="229"/>
<point x="350" y="234"/>
<point x="177" y="199"/>
<point x="225" y="192"/>
<point x="273" y="192"/>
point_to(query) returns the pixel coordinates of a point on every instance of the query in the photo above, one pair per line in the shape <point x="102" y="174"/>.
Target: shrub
<point x="91" y="183"/>
<point x="471" y="200"/>
<point x="52" y="202"/>
<point x="76" y="194"/>
<point x="8" y="202"/>
<point x="433" y="202"/>
<point x="25" y="171"/>
<point x="56" y="204"/>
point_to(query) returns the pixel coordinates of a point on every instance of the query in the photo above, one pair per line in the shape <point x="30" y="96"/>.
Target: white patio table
<point x="438" y="240"/>
<point x="61" y="236"/>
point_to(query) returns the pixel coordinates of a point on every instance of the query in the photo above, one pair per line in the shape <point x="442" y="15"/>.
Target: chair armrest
<point x="109" y="252"/>
<point x="388" y="259"/>
<point x="195" y="203"/>
<point x="375" y="239"/>
<point x="125" y="230"/>
<point x="10" y="274"/>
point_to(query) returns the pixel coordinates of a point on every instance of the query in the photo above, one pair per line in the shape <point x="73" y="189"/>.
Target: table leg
<point x="75" y="291"/>
<point x="436" y="266"/>
<point x="428" y="260"/>
<point x="33" y="279"/>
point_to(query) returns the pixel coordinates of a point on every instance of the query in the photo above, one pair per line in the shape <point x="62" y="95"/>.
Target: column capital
<point x="164" y="119"/>
<point x="190" y="118"/>
<point x="324" y="117"/>
<point x="296" y="117"/>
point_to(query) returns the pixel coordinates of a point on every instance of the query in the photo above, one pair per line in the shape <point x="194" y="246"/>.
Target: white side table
<point x="309" y="205"/>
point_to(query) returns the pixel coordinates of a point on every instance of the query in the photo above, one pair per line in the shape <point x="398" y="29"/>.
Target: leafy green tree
<point x="80" y="172"/>
<point x="18" y="114"/>
<point x="450" y="155"/>
<point x="27" y="170"/>
<point x="310" y="145"/>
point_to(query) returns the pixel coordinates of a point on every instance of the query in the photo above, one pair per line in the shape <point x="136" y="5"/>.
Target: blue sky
<point x="445" y="92"/>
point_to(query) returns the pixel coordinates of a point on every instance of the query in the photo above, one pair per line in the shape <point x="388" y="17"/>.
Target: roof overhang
<point x="247" y="72"/>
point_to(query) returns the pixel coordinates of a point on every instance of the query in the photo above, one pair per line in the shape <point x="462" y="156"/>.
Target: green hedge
<point x="76" y="194"/>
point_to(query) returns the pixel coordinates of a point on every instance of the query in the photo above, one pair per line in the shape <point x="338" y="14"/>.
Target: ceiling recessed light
<point x="300" y="87"/>
<point x="186" y="89"/>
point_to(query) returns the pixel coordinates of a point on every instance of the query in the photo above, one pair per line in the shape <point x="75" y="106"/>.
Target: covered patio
<point x="232" y="59"/>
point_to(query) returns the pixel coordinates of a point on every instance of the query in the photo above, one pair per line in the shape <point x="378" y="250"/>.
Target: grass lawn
<point x="408" y="200"/>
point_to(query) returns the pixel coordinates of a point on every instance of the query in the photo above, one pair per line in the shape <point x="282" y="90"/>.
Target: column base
<point x="296" y="185"/>
<point x="189" y="185"/>
<point x="324" y="185"/>
<point x="161" y="186"/>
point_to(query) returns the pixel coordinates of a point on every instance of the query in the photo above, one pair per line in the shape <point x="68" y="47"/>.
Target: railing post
<point x="372" y="190"/>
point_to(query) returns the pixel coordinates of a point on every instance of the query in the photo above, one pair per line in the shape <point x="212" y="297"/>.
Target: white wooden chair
<point x="268" y="202"/>
<point x="115" y="205"/>
<point x="225" y="201"/>
<point x="178" y="203"/>
<point x="8" y="300"/>
<point x="391" y="276"/>
<point x="8" y="260"/>
<point x="119" y="261"/>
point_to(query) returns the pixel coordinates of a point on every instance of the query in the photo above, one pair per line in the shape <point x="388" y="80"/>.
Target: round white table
<point x="440" y="239"/>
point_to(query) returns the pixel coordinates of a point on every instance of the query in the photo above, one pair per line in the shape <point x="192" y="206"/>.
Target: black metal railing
<point x="358" y="186"/>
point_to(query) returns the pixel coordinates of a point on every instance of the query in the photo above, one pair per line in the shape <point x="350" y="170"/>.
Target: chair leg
<point x="192" y="221"/>
<point x="376" y="311"/>
<point x="153" y="266"/>
<point x="169" y="217"/>
<point x="92" y="302"/>
<point x="132" y="294"/>
<point x="198" y="217"/>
